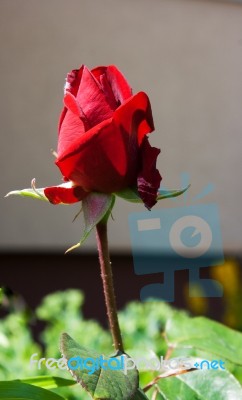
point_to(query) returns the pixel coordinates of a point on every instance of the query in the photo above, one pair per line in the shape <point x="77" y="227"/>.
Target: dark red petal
<point x="91" y="99"/>
<point x="114" y="84"/>
<point x="98" y="72"/>
<point x="132" y="119"/>
<point x="71" y="103"/>
<point x="73" y="80"/>
<point x="58" y="194"/>
<point x="120" y="87"/>
<point x="105" y="158"/>
<point x="98" y="161"/>
<point x="108" y="92"/>
<point x="135" y="116"/>
<point x="149" y="178"/>
<point x="62" y="117"/>
<point x="71" y="129"/>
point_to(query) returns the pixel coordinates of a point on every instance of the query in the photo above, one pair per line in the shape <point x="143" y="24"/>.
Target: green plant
<point x="152" y="328"/>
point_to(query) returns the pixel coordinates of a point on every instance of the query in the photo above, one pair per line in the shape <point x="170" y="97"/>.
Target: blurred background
<point x="187" y="56"/>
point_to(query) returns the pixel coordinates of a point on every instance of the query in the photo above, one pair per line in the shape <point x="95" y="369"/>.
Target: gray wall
<point x="186" y="54"/>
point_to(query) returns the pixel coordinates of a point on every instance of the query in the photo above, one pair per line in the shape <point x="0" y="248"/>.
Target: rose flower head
<point x="103" y="150"/>
<point x="102" y="143"/>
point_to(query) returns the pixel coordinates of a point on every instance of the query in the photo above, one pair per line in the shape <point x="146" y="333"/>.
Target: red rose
<point x="102" y="143"/>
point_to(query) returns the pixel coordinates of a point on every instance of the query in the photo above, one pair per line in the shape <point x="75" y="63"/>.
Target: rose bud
<point x="102" y="143"/>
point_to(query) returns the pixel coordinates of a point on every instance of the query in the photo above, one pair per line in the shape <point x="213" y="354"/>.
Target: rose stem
<point x="107" y="279"/>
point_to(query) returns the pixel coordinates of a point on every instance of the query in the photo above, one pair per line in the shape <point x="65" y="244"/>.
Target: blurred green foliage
<point x="142" y="326"/>
<point x="148" y="329"/>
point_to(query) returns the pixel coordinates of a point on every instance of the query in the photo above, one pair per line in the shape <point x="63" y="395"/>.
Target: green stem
<point x="107" y="279"/>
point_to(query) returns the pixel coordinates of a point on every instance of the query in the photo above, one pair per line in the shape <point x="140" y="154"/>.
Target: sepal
<point x="132" y="195"/>
<point x="95" y="208"/>
<point x="34" y="193"/>
<point x="165" y="194"/>
<point x="66" y="193"/>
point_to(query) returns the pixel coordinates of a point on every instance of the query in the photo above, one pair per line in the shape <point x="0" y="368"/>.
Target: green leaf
<point x="200" y="385"/>
<point x="132" y="195"/>
<point x="206" y="335"/>
<point x="95" y="207"/>
<point x="16" y="390"/>
<point x="48" y="382"/>
<point x="140" y="395"/>
<point x="101" y="383"/>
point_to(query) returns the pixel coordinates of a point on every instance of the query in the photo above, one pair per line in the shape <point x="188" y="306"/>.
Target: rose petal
<point x="114" y="85"/>
<point x="149" y="178"/>
<point x="72" y="105"/>
<point x="67" y="195"/>
<point x="97" y="72"/>
<point x="91" y="99"/>
<point x="120" y="87"/>
<point x="108" y="92"/>
<point x="73" y="80"/>
<point x="105" y="158"/>
<point x="71" y="129"/>
<point x="135" y="116"/>
<point x="98" y="161"/>
<point x="62" y="116"/>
